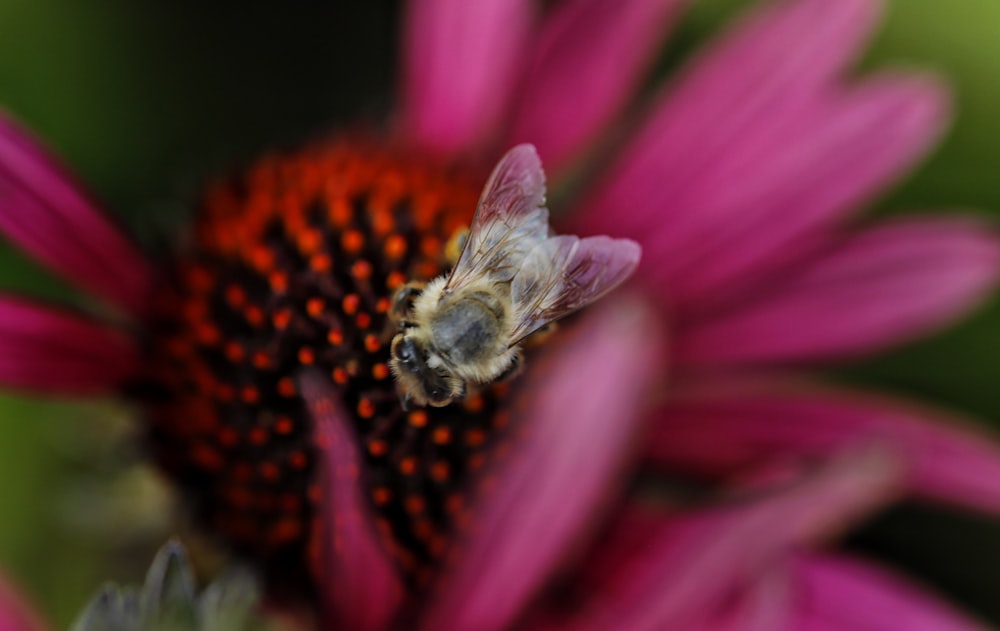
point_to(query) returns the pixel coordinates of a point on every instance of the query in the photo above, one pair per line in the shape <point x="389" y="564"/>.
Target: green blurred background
<point x="146" y="100"/>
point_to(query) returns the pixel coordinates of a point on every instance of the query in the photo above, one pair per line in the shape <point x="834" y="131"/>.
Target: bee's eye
<point x="405" y="352"/>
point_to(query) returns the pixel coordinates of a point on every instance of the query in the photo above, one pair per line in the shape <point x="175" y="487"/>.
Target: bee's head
<point x="418" y="382"/>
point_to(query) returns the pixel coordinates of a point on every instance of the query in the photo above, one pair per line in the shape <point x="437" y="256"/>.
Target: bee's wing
<point x="510" y="221"/>
<point x="563" y="274"/>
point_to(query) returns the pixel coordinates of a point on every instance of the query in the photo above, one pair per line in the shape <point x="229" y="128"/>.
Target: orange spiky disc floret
<point x="293" y="266"/>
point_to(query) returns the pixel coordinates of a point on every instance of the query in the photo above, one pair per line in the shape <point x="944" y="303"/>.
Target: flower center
<point x="292" y="266"/>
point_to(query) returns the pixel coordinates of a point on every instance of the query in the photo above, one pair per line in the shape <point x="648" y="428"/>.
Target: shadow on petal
<point x="582" y="407"/>
<point x="684" y="576"/>
<point x="359" y="584"/>
<point x="726" y="429"/>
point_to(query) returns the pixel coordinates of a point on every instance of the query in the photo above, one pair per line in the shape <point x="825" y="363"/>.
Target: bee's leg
<point x="455" y="245"/>
<point x="402" y="301"/>
<point x="541" y="335"/>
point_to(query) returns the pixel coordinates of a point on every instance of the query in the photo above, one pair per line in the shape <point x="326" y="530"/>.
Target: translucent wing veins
<point x="510" y="220"/>
<point x="565" y="273"/>
<point x="510" y="241"/>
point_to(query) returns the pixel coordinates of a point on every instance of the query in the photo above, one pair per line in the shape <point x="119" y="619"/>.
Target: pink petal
<point x="46" y="214"/>
<point x="757" y="149"/>
<point x="49" y="350"/>
<point x="590" y="57"/>
<point x="15" y="614"/>
<point x="873" y="289"/>
<point x="359" y="585"/>
<point x="460" y="63"/>
<point x="763" y="605"/>
<point x="849" y="594"/>
<point x="745" y="84"/>
<point x="584" y="410"/>
<point x="685" y="576"/>
<point x="725" y="429"/>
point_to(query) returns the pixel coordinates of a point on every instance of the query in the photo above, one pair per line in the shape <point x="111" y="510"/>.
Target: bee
<point x="512" y="278"/>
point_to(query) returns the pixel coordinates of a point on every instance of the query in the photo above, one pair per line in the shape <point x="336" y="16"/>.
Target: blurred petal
<point x="44" y="213"/>
<point x="767" y="215"/>
<point x="743" y="87"/>
<point x="15" y="614"/>
<point x="841" y="593"/>
<point x="726" y="429"/>
<point x="582" y="415"/>
<point x="460" y="63"/>
<point x="876" y="288"/>
<point x="359" y="585"/>
<point x="43" y="349"/>
<point x="756" y="151"/>
<point x="591" y="55"/>
<point x="685" y="575"/>
<point x="763" y="605"/>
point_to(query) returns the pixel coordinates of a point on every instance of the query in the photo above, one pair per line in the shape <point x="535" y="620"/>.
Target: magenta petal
<point x="878" y="287"/>
<point x="15" y="614"/>
<point x="763" y="606"/>
<point x="47" y="215"/>
<point x="359" y="586"/>
<point x="460" y="63"/>
<point x="728" y="429"/>
<point x="841" y="593"/>
<point x="757" y="149"/>
<point x="590" y="56"/>
<point x="583" y="413"/>
<point x="687" y="574"/>
<point x="745" y="87"/>
<point x="768" y="214"/>
<point x="43" y="349"/>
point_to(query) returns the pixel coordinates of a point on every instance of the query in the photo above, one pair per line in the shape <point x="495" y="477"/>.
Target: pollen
<point x="395" y="280"/>
<point x="235" y="351"/>
<point x="261" y="360"/>
<point x="250" y="394"/>
<point x="395" y="247"/>
<point x="258" y="436"/>
<point x="279" y="282"/>
<point x="366" y="409"/>
<point x="442" y="435"/>
<point x="292" y="268"/>
<point x="298" y="460"/>
<point x="314" y="307"/>
<point x="286" y="387"/>
<point x="306" y="356"/>
<point x="351" y="303"/>
<point x="417" y="418"/>
<point x="282" y="318"/>
<point x="361" y="271"/>
<point x="284" y="426"/>
<point x="321" y="263"/>
<point x="408" y="465"/>
<point x="236" y="296"/>
<point x="378" y="447"/>
<point x="352" y="241"/>
<point x="381" y="496"/>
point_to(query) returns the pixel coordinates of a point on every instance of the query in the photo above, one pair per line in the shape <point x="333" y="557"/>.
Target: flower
<point x="257" y="356"/>
<point x="15" y="614"/>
